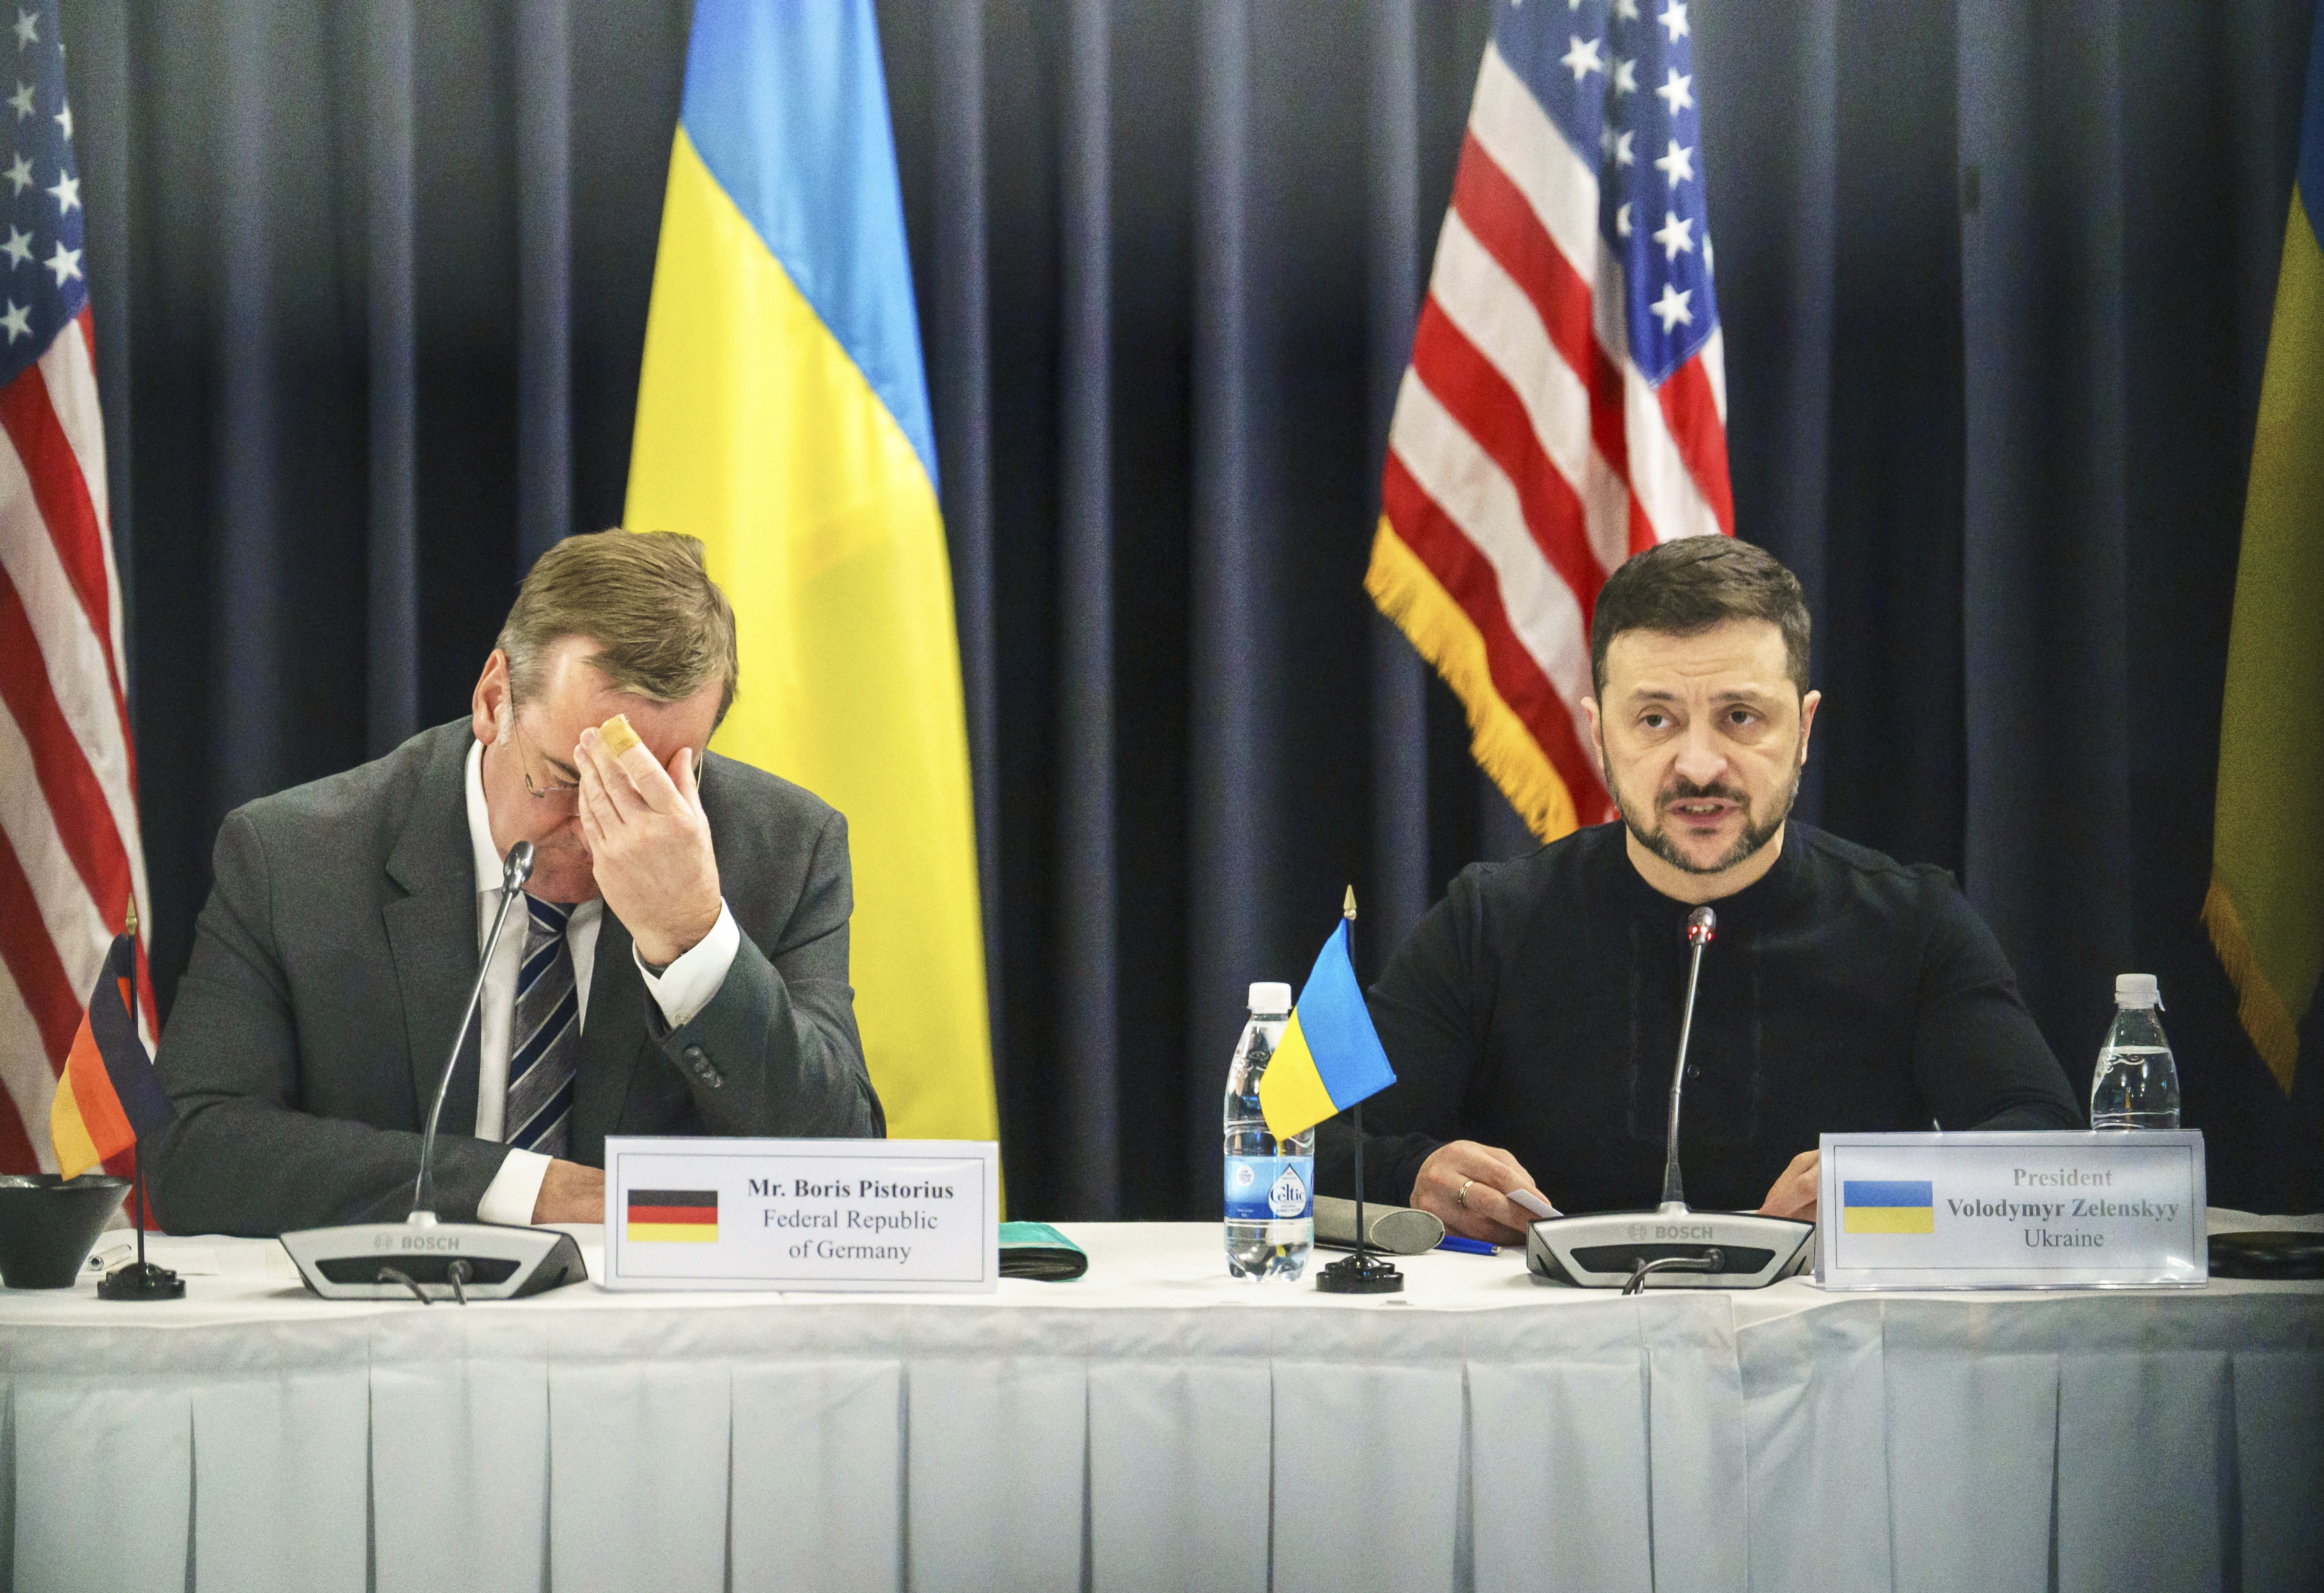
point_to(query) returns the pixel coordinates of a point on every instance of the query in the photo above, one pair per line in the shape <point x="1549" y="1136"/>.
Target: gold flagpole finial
<point x="130" y="927"/>
<point x="1349" y="911"/>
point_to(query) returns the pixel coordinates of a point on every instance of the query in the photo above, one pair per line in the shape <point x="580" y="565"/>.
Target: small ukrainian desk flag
<point x="783" y="418"/>
<point x="1331" y="1056"/>
<point x="1871" y="1205"/>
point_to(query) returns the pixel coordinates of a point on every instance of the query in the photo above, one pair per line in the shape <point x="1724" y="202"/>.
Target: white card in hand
<point x="1533" y="1203"/>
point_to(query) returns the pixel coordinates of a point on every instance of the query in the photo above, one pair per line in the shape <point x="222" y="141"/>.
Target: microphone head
<point x="518" y="869"/>
<point x="1700" y="924"/>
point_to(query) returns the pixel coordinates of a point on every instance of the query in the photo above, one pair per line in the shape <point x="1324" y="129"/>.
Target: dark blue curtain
<point x="1996" y="279"/>
<point x="371" y="285"/>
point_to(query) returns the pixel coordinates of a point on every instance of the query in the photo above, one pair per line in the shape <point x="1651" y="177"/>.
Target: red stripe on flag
<point x="29" y="419"/>
<point x="93" y="1096"/>
<point x="16" y="1152"/>
<point x="32" y="960"/>
<point x="1468" y="579"/>
<point x="87" y="322"/>
<point x="1692" y="412"/>
<point x="1481" y="401"/>
<point x="1642" y="529"/>
<point x="699" y="1216"/>
<point x="76" y="797"/>
<point x="1496" y="212"/>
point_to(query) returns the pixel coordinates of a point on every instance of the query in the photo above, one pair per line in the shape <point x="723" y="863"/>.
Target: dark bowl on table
<point x="48" y="1223"/>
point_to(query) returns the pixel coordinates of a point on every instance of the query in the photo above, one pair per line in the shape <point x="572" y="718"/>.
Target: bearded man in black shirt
<point x="1532" y="1016"/>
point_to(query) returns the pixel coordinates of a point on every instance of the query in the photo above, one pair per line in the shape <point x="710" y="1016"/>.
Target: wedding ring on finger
<point x="1460" y="1195"/>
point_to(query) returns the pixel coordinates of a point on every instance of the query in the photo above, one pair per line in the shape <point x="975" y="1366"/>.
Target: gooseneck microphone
<point x="1622" y="1249"/>
<point x="1699" y="926"/>
<point x="460" y="1260"/>
<point x="514" y="872"/>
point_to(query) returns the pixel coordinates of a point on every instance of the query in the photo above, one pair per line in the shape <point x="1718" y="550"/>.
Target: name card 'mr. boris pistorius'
<point x="802" y="1214"/>
<point x="2011" y="1210"/>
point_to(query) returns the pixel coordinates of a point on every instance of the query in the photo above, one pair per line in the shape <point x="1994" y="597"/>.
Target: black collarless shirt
<point x="1537" y="1008"/>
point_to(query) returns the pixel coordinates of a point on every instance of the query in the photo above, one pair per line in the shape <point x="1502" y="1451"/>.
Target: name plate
<point x="917" y="1215"/>
<point x="2011" y="1210"/>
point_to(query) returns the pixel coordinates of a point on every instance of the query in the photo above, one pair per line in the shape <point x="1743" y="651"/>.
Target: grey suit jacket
<point x="334" y="957"/>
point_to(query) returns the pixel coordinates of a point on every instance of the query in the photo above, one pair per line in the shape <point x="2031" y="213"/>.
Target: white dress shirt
<point x="681" y="991"/>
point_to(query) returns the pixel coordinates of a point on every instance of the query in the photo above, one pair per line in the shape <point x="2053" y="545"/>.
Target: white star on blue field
<point x="42" y="284"/>
<point x="1617" y="77"/>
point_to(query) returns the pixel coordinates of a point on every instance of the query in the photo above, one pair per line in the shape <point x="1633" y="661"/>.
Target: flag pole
<point x="136" y="1151"/>
<point x="143" y="1281"/>
<point x="1359" y="1274"/>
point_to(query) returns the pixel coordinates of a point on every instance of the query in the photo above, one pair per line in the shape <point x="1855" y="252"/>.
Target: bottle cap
<point x="1270" y="996"/>
<point x="2136" y="990"/>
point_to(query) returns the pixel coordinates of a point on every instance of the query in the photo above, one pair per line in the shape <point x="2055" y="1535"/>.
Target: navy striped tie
<point x="547" y="1035"/>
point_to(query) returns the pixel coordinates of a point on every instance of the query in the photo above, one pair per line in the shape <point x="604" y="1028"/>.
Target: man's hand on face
<point x="649" y="846"/>
<point x="1464" y="1185"/>
<point x="570" y="1193"/>
<point x="1793" y="1194"/>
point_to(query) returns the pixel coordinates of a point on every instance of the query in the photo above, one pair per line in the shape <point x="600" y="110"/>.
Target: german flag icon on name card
<point x="1900" y="1205"/>
<point x="673" y="1216"/>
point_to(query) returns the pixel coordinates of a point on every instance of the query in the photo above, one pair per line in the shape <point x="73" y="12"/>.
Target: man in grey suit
<point x="679" y="966"/>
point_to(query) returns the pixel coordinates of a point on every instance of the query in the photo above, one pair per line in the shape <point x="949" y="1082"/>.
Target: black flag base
<point x="1363" y="1272"/>
<point x="1360" y="1274"/>
<point x="141" y="1280"/>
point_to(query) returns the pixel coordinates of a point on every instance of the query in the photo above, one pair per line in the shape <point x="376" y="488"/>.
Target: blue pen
<point x="1453" y="1241"/>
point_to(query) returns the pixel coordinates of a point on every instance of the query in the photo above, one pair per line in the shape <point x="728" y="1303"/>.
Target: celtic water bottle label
<point x="1260" y="1189"/>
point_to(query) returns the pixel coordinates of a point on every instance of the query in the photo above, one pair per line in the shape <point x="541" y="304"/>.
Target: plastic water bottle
<point x="2137" y="1082"/>
<point x="1270" y="1182"/>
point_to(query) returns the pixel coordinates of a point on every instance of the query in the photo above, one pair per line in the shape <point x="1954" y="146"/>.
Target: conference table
<point x="1157" y="1426"/>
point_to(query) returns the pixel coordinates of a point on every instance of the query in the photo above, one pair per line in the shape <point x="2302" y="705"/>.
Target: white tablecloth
<point x="1157" y="1426"/>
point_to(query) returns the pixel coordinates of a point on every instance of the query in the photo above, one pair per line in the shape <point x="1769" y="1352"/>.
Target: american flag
<point x="1566" y="403"/>
<point x="70" y="857"/>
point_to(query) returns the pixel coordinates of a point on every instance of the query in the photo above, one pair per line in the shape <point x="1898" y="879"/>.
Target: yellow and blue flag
<point x="1330" y="1057"/>
<point x="2265" y="907"/>
<point x="783" y="418"/>
<point x="1892" y="1205"/>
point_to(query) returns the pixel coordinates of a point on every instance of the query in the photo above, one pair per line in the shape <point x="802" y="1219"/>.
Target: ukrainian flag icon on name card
<point x="1902" y="1205"/>
<point x="673" y="1216"/>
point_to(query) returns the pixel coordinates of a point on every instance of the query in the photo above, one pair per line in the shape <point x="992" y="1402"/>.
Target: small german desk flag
<point x="107" y="1094"/>
<point x="678" y="1216"/>
<point x="1331" y="1056"/>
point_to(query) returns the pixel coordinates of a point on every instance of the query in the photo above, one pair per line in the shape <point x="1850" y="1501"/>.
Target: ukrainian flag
<point x="1886" y="1206"/>
<point x="783" y="418"/>
<point x="2265" y="907"/>
<point x="1330" y="1057"/>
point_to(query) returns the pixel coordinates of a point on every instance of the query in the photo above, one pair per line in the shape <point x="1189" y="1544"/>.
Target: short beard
<point x="1658" y="841"/>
